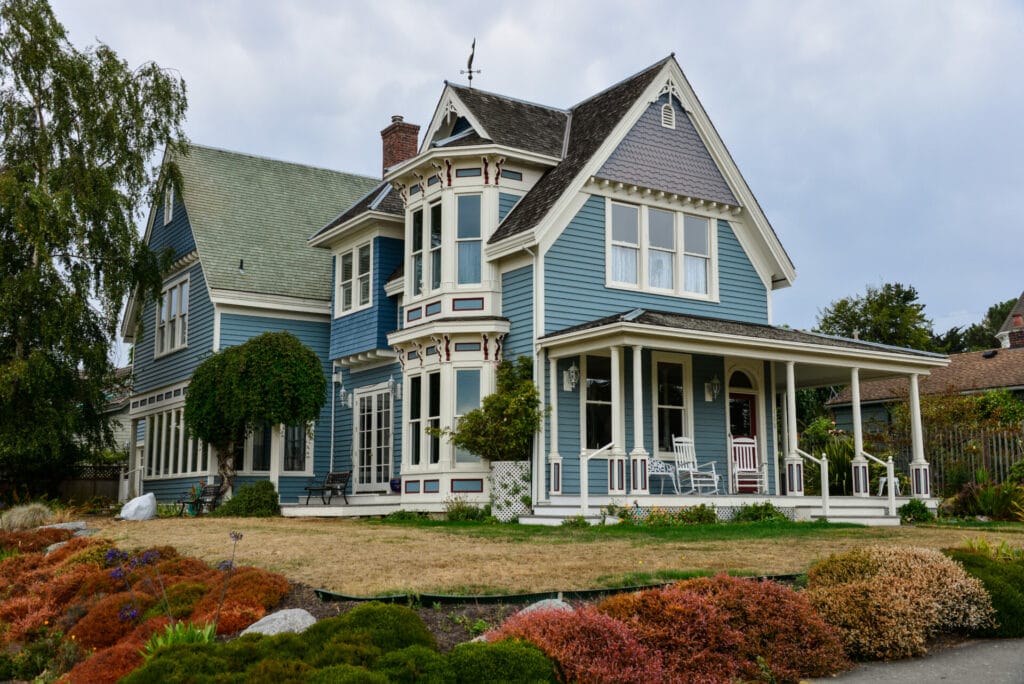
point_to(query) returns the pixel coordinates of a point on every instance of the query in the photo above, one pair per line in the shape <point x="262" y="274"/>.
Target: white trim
<point x="753" y="369"/>
<point x="376" y="222"/>
<point x="230" y="309"/>
<point x="686" y="361"/>
<point x="354" y="282"/>
<point x="372" y="391"/>
<point x="256" y="300"/>
<point x="168" y="203"/>
<point x="176" y="318"/>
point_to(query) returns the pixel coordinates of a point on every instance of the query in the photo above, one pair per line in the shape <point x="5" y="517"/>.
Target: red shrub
<point x="15" y="571"/>
<point x="250" y="591"/>
<point x="184" y="569"/>
<point x="105" y="624"/>
<point x="25" y="614"/>
<point x="64" y="587"/>
<point x="587" y="646"/>
<point x="234" y="617"/>
<point x="109" y="665"/>
<point x="30" y="541"/>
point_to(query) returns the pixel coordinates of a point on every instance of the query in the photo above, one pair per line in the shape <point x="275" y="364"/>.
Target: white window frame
<point x="584" y="370"/>
<point x="479" y="239"/>
<point x="355" y="282"/>
<point x="372" y="392"/>
<point x="686" y="361"/>
<point x="309" y="447"/>
<point x="168" y="204"/>
<point x="430" y="460"/>
<point x="178" y="318"/>
<point x="167" y="450"/>
<point x="471" y="459"/>
<point x="644" y="248"/>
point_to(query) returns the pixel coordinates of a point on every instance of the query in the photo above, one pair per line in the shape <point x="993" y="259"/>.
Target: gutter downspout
<point x="335" y="379"/>
<point x="537" y="486"/>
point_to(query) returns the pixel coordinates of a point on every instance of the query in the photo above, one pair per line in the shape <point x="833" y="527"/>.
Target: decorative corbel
<point x="487" y="177"/>
<point x="447" y="348"/>
<point x="486" y="349"/>
<point x="438" y="344"/>
<point x="448" y="171"/>
<point x="419" y="352"/>
<point x="497" y="169"/>
<point x="497" y="347"/>
<point x="403" y="192"/>
<point x="401" y="356"/>
<point x="422" y="180"/>
<point x="437" y="172"/>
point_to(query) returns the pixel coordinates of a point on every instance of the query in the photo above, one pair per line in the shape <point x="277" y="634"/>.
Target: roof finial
<point x="469" y="64"/>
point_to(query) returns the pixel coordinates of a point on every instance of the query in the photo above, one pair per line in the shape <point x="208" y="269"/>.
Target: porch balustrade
<point x="585" y="475"/>
<point x="861" y="485"/>
<point x="823" y="467"/>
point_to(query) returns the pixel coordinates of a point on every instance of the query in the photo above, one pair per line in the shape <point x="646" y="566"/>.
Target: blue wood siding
<point x="569" y="431"/>
<point x="167" y="490"/>
<point x="151" y="373"/>
<point x="574" y="275"/>
<point x="237" y="328"/>
<point x="177" y="235"/>
<point x="344" y="435"/>
<point x="367" y="329"/>
<point x="505" y="203"/>
<point x="517" y="307"/>
<point x="872" y="417"/>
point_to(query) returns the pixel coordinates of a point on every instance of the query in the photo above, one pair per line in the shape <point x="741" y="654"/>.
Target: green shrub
<point x="758" y="512"/>
<point x="576" y="522"/>
<point x="417" y="664"/>
<point x="256" y="500"/>
<point x="274" y="671"/>
<point x="179" y="601"/>
<point x="185" y="663"/>
<point x="386" y="626"/>
<point x="1016" y="474"/>
<point x="25" y="517"/>
<point x="179" y="633"/>
<point x="1004" y="581"/>
<point x="345" y="674"/>
<point x="457" y="509"/>
<point x="503" y="662"/>
<point x="915" y="511"/>
<point x="403" y="515"/>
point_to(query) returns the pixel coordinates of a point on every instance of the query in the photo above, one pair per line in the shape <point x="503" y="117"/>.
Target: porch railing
<point x="823" y="467"/>
<point x="862" y="482"/>
<point x="585" y="475"/>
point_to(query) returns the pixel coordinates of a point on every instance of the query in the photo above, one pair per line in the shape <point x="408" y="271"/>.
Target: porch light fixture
<point x="345" y="397"/>
<point x="393" y="386"/>
<point x="712" y="388"/>
<point x="570" y="378"/>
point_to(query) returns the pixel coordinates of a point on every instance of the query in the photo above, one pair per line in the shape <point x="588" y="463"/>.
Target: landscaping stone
<point x="291" y="620"/>
<point x="546" y="604"/>
<point x="75" y="525"/>
<point x="53" y="547"/>
<point x="140" y="508"/>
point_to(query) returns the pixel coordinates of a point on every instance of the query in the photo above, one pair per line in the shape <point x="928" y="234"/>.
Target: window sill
<point x="694" y="296"/>
<point x="349" y="312"/>
<point x="169" y="352"/>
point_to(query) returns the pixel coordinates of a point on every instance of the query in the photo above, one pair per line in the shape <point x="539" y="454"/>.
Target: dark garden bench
<point x="334" y="483"/>
<point x="202" y="501"/>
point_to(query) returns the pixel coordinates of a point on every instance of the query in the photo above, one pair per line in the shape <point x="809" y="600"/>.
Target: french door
<point x="372" y="445"/>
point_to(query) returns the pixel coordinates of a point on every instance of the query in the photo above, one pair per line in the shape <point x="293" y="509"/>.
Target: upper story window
<point x="168" y="204"/>
<point x="659" y="251"/>
<point x="354" y="268"/>
<point x="426" y="249"/>
<point x="172" y="319"/>
<point x="467" y="239"/>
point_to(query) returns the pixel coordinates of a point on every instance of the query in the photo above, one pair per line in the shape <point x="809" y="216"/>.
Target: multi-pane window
<point x="373" y="440"/>
<point x="415" y="408"/>
<point x="671" y="404"/>
<point x="435" y="246"/>
<point x="467" y="398"/>
<point x="424" y="413"/>
<point x="598" y="397"/>
<point x="658" y="250"/>
<point x="168" y="450"/>
<point x="296" y="444"/>
<point x="354" y="279"/>
<point x="468" y="240"/>
<point x="260" y="441"/>
<point x="172" y="318"/>
<point x="417" y="252"/>
<point x="434" y="415"/>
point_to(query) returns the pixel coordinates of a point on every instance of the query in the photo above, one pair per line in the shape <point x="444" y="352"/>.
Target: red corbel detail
<point x="419" y="352"/>
<point x="487" y="177"/>
<point x="401" y="356"/>
<point x="497" y="348"/>
<point x="448" y="170"/>
<point x="497" y="169"/>
<point x="447" y="348"/>
<point x="486" y="351"/>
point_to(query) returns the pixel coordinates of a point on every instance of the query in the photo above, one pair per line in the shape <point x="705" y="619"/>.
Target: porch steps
<point x="870" y="514"/>
<point x="359" y="505"/>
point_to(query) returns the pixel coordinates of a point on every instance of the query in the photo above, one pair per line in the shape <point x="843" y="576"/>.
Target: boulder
<point x="140" y="508"/>
<point x="548" y="604"/>
<point x="290" y="620"/>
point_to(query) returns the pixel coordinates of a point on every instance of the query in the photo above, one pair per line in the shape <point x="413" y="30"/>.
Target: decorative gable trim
<point x="447" y="107"/>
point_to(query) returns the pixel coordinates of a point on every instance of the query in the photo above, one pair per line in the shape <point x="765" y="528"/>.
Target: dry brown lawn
<point x="367" y="558"/>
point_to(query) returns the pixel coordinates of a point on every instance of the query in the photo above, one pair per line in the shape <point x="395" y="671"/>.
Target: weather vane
<point x="469" y="65"/>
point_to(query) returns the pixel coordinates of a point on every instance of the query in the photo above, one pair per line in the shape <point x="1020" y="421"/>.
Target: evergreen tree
<point x="890" y="314"/>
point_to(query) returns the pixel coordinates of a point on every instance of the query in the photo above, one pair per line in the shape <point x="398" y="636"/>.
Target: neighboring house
<point x="967" y="373"/>
<point x="116" y="407"/>
<point x="1013" y="320"/>
<point x="615" y="242"/>
<point x="241" y="267"/>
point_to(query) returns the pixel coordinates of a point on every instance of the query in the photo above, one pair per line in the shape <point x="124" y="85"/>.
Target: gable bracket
<point x="672" y="89"/>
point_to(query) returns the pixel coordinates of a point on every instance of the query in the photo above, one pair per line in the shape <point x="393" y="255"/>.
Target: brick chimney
<point x="399" y="140"/>
<point x="1017" y="333"/>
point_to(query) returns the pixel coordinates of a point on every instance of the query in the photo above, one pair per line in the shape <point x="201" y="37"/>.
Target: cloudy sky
<point x="884" y="140"/>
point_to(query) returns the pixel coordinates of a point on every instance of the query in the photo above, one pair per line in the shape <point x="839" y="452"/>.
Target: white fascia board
<point x="450" y="101"/>
<point x="718" y="344"/>
<point x="354" y="226"/>
<point x="449" y="327"/>
<point x="395" y="287"/>
<point x="397" y="172"/>
<point x="265" y="302"/>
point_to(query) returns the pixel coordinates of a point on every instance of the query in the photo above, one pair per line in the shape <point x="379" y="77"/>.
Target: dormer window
<point x="168" y="204"/>
<point x="354" y="279"/>
<point x="668" y="116"/>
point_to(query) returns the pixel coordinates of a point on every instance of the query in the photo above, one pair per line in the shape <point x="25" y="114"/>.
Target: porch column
<point x="919" y="476"/>
<point x="638" y="457"/>
<point x="554" y="459"/>
<point x="131" y="489"/>
<point x="861" y="480"/>
<point x="617" y="457"/>
<point x="794" y="464"/>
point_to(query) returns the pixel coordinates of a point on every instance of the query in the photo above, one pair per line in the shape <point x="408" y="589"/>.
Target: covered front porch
<point x="626" y="390"/>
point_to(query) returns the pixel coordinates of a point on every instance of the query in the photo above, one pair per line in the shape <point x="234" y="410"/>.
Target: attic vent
<point x="668" y="116"/>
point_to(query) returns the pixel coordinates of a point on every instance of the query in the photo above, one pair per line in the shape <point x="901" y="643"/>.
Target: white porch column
<point x="919" y="476"/>
<point x="794" y="464"/>
<point x="861" y="479"/>
<point x="617" y="457"/>
<point x="554" y="459"/>
<point x="638" y="456"/>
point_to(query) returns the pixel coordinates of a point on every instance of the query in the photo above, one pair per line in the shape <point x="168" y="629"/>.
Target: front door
<point x="743" y="423"/>
<point x="372" y="443"/>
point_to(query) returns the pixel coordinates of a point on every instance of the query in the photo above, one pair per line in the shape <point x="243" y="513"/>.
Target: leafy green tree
<point x="890" y="314"/>
<point x="271" y="379"/>
<point x="502" y="428"/>
<point x="983" y="335"/>
<point x="78" y="130"/>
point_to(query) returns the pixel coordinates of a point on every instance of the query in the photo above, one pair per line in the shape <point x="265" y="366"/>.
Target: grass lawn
<point x="367" y="557"/>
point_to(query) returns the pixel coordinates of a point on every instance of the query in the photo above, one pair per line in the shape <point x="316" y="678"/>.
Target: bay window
<point x="417" y="252"/>
<point x="468" y="240"/>
<point x="467" y="398"/>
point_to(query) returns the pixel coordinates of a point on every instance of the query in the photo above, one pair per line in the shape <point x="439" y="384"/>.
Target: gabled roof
<point x="515" y="123"/>
<point x="590" y="124"/>
<point x="382" y="198"/>
<point x="260" y="212"/>
<point x="968" y="372"/>
<point x="1007" y="325"/>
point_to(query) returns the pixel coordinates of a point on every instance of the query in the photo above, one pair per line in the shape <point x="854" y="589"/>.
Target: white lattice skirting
<point x="510" y="489"/>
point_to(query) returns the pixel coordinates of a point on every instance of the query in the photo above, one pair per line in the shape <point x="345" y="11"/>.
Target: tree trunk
<point x="226" y="469"/>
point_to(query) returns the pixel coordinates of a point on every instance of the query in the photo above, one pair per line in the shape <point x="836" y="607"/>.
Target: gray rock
<point x="86" y="532"/>
<point x="76" y="525"/>
<point x="547" y="604"/>
<point x="140" y="508"/>
<point x="53" y="547"/>
<point x="291" y="620"/>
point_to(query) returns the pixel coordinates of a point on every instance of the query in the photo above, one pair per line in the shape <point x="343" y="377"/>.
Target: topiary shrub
<point x="415" y="665"/>
<point x="25" y="517"/>
<point x="915" y="511"/>
<point x="585" y="645"/>
<point x="502" y="662"/>
<point x="256" y="500"/>
<point x="1004" y="581"/>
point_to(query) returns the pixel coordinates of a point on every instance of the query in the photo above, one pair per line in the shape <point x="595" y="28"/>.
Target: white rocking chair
<point x="702" y="478"/>
<point x="747" y="472"/>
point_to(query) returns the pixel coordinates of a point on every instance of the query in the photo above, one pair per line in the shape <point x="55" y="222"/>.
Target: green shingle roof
<point x="260" y="212"/>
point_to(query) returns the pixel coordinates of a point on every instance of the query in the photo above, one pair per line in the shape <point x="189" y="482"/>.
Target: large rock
<point x="74" y="526"/>
<point x="290" y="620"/>
<point x="140" y="508"/>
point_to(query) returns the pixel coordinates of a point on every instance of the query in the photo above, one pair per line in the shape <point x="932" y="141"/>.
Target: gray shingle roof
<point x="661" y="319"/>
<point x="670" y="159"/>
<point x="519" y="124"/>
<point x="261" y="211"/>
<point x="382" y="197"/>
<point x="592" y="121"/>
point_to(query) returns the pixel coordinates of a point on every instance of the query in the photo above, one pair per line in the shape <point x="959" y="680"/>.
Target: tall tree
<point x="78" y="131"/>
<point x="890" y="314"/>
<point x="983" y="335"/>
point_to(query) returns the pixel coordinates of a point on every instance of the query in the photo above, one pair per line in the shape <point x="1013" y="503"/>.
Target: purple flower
<point x="118" y="573"/>
<point x="115" y="556"/>
<point x="150" y="557"/>
<point x="225" y="565"/>
<point x="235" y="536"/>
<point x="127" y="613"/>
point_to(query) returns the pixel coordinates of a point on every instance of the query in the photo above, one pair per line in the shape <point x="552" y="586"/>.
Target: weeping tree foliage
<point x="502" y="428"/>
<point x="78" y="131"/>
<point x="273" y="378"/>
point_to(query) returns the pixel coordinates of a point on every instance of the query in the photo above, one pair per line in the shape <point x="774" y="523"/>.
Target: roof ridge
<point x="660" y="62"/>
<point x="559" y="110"/>
<point x="275" y="160"/>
